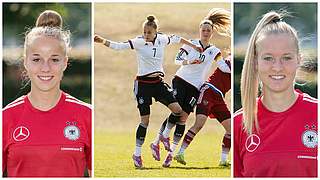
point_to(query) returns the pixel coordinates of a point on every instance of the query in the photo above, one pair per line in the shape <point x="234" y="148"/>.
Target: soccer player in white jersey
<point x="190" y="77"/>
<point x="149" y="84"/>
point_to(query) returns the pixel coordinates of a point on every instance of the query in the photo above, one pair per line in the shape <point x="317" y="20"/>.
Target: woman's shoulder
<point x="306" y="98"/>
<point x="74" y="102"/>
<point x="15" y="105"/>
<point x="237" y="118"/>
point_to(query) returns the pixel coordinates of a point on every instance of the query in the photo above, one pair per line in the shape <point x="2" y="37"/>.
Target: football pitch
<point x="113" y="153"/>
<point x="116" y="115"/>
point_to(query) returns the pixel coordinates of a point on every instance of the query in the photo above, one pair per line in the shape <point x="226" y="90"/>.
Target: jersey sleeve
<point x="169" y="39"/>
<point x="120" y="45"/>
<point x="130" y="44"/>
<point x="238" y="165"/>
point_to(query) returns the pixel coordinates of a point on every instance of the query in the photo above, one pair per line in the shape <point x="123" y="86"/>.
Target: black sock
<point x="141" y="134"/>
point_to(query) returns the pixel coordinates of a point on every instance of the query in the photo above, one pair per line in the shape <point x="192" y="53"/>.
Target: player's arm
<point x="189" y="43"/>
<point x="112" y="44"/>
<point x="182" y="57"/>
<point x="177" y="39"/>
<point x="221" y="64"/>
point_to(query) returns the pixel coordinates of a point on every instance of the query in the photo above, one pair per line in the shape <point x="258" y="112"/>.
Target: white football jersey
<point x="150" y="55"/>
<point x="195" y="74"/>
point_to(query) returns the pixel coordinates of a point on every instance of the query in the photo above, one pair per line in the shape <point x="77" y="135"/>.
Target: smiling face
<point x="149" y="33"/>
<point x="206" y="32"/>
<point x="277" y="62"/>
<point x="45" y="63"/>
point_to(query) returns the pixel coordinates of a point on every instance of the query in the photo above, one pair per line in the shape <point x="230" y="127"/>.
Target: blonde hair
<point x="219" y="19"/>
<point x="49" y="18"/>
<point x="151" y="21"/>
<point x="49" y="24"/>
<point x="271" y="23"/>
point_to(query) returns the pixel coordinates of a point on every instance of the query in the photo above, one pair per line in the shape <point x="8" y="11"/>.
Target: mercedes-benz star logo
<point x="21" y="133"/>
<point x="252" y="142"/>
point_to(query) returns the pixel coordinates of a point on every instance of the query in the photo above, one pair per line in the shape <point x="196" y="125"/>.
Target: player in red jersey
<point x="46" y="133"/>
<point x="276" y="135"/>
<point x="211" y="103"/>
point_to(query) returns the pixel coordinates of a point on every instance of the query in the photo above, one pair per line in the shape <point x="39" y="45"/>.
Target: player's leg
<point x="173" y="118"/>
<point x="178" y="133"/>
<point x="226" y="142"/>
<point x="154" y="146"/>
<point x="140" y="137"/>
<point x="197" y="126"/>
<point x="144" y="101"/>
<point x="202" y="111"/>
<point x="166" y="97"/>
<point x="187" y="96"/>
<point x="223" y="115"/>
<point x="179" y="92"/>
<point x="189" y="136"/>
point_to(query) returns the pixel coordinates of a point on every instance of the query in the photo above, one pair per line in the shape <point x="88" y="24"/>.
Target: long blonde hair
<point x="219" y="19"/>
<point x="271" y="23"/>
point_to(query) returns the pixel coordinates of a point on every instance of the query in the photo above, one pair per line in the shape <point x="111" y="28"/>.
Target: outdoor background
<point x="116" y="115"/>
<point x="304" y="20"/>
<point x="18" y="18"/>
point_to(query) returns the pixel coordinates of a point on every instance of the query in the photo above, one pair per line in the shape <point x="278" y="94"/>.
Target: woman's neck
<point x="44" y="100"/>
<point x="205" y="43"/>
<point x="279" y="102"/>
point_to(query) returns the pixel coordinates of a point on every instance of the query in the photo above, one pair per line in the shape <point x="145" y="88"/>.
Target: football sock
<point x="163" y="126"/>
<point x="226" y="145"/>
<point x="186" y="141"/>
<point x="178" y="133"/>
<point x="166" y="132"/>
<point x="140" y="137"/>
<point x="172" y="120"/>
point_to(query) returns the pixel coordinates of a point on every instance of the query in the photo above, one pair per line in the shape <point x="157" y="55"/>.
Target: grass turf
<point x="113" y="153"/>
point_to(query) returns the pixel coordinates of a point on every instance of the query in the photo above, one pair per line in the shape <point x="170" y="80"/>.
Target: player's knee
<point x="144" y="110"/>
<point x="145" y="122"/>
<point x="174" y="118"/>
<point x="176" y="109"/>
<point x="183" y="118"/>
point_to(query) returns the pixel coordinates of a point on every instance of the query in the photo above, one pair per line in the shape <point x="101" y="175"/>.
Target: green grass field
<point x="116" y="115"/>
<point x="113" y="153"/>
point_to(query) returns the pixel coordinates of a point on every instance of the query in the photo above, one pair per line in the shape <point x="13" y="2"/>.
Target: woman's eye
<point x="36" y="59"/>
<point x="287" y="58"/>
<point x="267" y="58"/>
<point x="55" y="60"/>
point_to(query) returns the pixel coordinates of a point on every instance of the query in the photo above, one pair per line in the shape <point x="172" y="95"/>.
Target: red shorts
<point x="211" y="103"/>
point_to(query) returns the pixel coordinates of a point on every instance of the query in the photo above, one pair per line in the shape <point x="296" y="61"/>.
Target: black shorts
<point x="145" y="90"/>
<point x="185" y="93"/>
